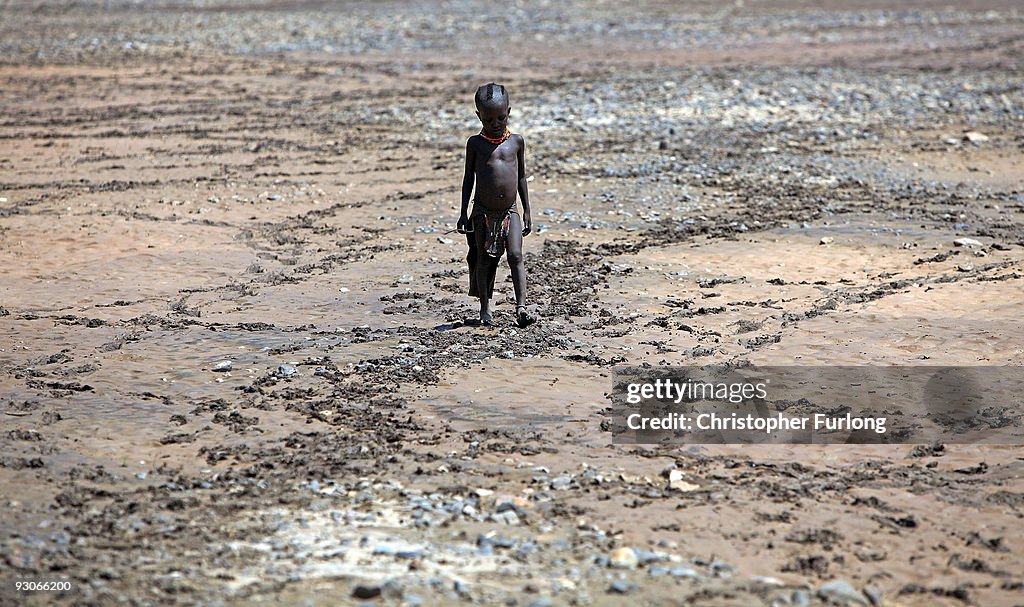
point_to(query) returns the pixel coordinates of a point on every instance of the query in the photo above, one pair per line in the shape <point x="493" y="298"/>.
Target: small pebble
<point x="975" y="137"/>
<point x="366" y="592"/>
<point x="683" y="572"/>
<point x="622" y="587"/>
<point x="623" y="558"/>
<point x="840" y="592"/>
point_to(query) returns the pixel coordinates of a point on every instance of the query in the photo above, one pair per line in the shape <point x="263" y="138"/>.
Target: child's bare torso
<point x="497" y="172"/>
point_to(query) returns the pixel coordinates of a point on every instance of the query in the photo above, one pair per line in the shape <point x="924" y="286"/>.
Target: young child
<point x="495" y="163"/>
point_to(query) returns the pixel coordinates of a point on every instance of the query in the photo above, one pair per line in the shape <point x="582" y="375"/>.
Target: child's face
<point x="494" y="118"/>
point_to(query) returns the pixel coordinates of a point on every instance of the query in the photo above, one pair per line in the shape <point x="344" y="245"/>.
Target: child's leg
<point x="471" y="262"/>
<point x="514" y="249"/>
<point x="484" y="273"/>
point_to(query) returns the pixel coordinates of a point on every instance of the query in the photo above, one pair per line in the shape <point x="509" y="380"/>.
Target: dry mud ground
<point x="183" y="184"/>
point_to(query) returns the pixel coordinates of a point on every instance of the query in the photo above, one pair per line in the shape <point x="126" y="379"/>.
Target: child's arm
<point x="524" y="194"/>
<point x="467" y="186"/>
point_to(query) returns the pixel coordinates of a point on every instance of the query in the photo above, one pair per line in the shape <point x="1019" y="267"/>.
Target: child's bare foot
<point x="486" y="314"/>
<point x="524" y="318"/>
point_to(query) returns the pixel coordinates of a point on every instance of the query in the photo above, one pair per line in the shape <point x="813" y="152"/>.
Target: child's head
<point x="492" y="108"/>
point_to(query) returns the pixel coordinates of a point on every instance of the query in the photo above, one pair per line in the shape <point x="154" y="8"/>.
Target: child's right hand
<point x="461" y="226"/>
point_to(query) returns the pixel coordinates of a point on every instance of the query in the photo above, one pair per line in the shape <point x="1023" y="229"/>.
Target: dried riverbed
<point x="232" y="362"/>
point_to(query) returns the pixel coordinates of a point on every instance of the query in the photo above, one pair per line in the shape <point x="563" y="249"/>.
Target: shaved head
<point x="491" y="95"/>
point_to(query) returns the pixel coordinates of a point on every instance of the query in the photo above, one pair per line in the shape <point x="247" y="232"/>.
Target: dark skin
<point x="499" y="173"/>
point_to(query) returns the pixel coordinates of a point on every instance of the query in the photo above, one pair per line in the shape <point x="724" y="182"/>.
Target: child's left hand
<point x="527" y="225"/>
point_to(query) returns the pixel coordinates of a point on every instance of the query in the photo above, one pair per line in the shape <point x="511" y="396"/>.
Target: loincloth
<point x="495" y="226"/>
<point x="488" y="236"/>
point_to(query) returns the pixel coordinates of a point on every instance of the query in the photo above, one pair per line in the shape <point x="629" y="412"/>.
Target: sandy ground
<point x="781" y="183"/>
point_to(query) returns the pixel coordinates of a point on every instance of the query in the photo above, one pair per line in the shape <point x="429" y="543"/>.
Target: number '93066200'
<point x="43" y="585"/>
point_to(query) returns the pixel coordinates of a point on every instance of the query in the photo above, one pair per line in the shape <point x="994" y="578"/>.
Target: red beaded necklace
<point x="497" y="140"/>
